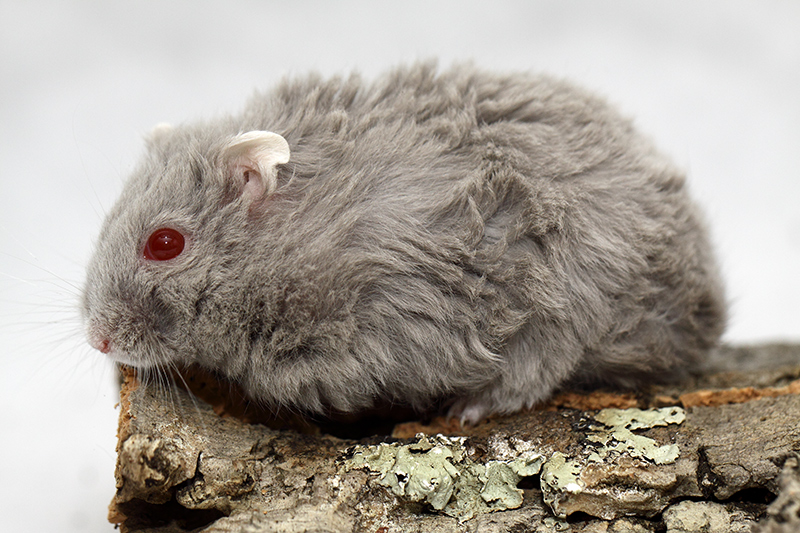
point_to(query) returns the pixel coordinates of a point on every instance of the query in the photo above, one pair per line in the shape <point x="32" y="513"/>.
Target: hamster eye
<point x="164" y="244"/>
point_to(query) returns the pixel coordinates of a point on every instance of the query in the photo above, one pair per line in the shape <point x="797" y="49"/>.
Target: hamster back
<point x="459" y="236"/>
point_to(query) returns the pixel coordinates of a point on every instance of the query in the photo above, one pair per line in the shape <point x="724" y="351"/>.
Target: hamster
<point x="453" y="237"/>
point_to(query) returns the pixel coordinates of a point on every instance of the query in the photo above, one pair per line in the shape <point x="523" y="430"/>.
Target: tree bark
<point x="717" y="452"/>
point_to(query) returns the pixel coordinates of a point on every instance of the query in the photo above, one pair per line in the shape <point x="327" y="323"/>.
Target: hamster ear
<point x="253" y="158"/>
<point x="159" y="132"/>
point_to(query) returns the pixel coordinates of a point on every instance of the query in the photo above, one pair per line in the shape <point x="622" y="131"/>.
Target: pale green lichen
<point x="561" y="475"/>
<point x="500" y="485"/>
<point x="527" y="464"/>
<point x="425" y="476"/>
<point x="640" y="418"/>
<point x="555" y="524"/>
<point x="620" y="437"/>
<point x="436" y="470"/>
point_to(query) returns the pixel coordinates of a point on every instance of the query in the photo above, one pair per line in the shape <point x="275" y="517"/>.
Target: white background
<point x="715" y="83"/>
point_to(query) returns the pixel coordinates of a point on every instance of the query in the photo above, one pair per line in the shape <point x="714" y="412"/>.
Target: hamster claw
<point x="469" y="411"/>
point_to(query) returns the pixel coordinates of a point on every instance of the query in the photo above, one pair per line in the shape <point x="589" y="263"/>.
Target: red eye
<point x="164" y="244"/>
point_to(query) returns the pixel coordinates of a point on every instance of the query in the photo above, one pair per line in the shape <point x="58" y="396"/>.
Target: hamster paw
<point x="469" y="411"/>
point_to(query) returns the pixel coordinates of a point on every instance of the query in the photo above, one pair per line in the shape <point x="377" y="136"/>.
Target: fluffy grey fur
<point x="435" y="235"/>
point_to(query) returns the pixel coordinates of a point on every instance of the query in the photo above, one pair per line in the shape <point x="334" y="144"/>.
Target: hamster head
<point x="182" y="222"/>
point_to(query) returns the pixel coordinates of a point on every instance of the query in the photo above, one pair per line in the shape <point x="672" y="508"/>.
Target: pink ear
<point x="159" y="134"/>
<point x="253" y="158"/>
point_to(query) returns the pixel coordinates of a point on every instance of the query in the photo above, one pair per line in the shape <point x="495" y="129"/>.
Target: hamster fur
<point x="458" y="236"/>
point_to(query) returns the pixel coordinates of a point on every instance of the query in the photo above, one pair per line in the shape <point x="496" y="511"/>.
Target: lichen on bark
<point x="720" y="446"/>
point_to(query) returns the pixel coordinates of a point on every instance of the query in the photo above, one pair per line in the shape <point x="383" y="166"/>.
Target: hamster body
<point x="463" y="236"/>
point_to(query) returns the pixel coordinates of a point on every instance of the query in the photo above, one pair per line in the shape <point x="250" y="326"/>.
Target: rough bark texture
<point x="716" y="453"/>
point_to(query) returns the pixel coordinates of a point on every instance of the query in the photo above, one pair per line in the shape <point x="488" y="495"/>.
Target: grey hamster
<point x="456" y="235"/>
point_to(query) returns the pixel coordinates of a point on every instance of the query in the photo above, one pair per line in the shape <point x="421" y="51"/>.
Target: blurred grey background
<point x="715" y="83"/>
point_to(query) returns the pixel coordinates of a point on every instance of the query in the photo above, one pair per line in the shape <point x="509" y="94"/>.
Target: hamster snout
<point x="434" y="236"/>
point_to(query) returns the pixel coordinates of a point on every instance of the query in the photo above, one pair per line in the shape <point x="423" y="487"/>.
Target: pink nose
<point x="103" y="345"/>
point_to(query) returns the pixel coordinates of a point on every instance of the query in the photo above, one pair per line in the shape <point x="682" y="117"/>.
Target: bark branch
<point x="719" y="451"/>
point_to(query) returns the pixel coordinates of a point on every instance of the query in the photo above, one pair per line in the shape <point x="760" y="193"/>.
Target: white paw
<point x="469" y="411"/>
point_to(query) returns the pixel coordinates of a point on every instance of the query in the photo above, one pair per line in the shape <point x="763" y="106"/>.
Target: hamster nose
<point x="102" y="345"/>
